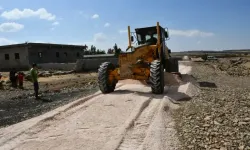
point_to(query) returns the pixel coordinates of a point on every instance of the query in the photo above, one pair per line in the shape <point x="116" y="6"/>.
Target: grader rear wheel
<point x="172" y="65"/>
<point x="157" y="77"/>
<point x="105" y="85"/>
<point x="175" y="65"/>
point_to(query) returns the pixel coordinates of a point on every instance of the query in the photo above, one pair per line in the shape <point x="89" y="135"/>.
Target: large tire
<point x="157" y="77"/>
<point x="103" y="78"/>
<point x="172" y="65"/>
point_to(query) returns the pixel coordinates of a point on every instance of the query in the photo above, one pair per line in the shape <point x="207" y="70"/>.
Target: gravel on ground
<point x="219" y="117"/>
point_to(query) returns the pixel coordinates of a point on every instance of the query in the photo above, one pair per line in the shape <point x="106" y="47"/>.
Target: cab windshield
<point x="143" y="38"/>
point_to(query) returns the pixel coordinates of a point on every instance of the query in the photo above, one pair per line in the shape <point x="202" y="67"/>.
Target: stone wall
<point x="57" y="66"/>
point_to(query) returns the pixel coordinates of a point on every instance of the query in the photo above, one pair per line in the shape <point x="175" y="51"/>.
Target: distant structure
<point x="21" y="56"/>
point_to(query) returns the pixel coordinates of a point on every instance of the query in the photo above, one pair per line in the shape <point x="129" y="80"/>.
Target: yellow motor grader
<point x="146" y="61"/>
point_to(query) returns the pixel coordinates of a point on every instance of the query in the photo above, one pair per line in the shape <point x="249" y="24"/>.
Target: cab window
<point x="147" y="37"/>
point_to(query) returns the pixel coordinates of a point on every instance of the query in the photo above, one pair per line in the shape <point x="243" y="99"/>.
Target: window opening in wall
<point x="57" y="54"/>
<point x="78" y="54"/>
<point x="17" y="56"/>
<point x="7" y="57"/>
<point x="66" y="54"/>
<point x="40" y="54"/>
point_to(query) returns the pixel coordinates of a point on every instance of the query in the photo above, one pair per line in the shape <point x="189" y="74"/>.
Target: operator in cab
<point x="152" y="40"/>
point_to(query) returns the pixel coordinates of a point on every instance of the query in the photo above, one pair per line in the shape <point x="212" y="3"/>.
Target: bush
<point x="204" y="57"/>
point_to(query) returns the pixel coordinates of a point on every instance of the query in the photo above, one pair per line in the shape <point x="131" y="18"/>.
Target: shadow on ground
<point x="207" y="84"/>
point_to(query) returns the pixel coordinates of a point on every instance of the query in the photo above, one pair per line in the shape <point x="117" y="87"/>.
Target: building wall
<point x="20" y="64"/>
<point x="57" y="66"/>
<point x="48" y="54"/>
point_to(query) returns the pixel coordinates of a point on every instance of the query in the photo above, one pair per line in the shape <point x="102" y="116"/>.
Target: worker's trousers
<point x="36" y="88"/>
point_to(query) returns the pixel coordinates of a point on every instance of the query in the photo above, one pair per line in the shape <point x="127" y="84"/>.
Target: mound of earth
<point x="235" y="67"/>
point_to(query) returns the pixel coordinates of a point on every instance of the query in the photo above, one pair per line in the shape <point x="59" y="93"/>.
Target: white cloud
<point x="4" y="41"/>
<point x="55" y="23"/>
<point x="107" y="24"/>
<point x="11" y="27"/>
<point x="52" y="29"/>
<point x="190" y="33"/>
<point x="81" y="43"/>
<point x="16" y="14"/>
<point x="95" y="16"/>
<point x="123" y="31"/>
<point x="100" y="37"/>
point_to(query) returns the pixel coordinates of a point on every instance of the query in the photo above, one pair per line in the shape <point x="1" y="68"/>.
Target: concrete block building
<point x="21" y="56"/>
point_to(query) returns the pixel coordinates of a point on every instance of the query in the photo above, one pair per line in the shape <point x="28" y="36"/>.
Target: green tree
<point x="85" y="50"/>
<point x="102" y="52"/>
<point x="98" y="51"/>
<point x="117" y="50"/>
<point x="204" y="57"/>
<point x="93" y="49"/>
<point x="110" y="51"/>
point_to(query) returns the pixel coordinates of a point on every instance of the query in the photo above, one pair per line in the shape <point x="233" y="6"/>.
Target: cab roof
<point x="145" y="30"/>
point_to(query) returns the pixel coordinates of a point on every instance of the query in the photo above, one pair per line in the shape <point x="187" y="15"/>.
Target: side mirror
<point x="132" y="39"/>
<point x="166" y="34"/>
<point x="169" y="51"/>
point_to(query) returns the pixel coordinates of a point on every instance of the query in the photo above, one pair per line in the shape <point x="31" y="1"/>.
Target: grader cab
<point x="146" y="61"/>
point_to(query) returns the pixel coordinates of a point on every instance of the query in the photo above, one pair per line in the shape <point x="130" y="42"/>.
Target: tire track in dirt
<point x="161" y="134"/>
<point x="100" y="120"/>
<point x="135" y="135"/>
<point x="129" y="118"/>
<point x="8" y="140"/>
<point x="115" y="141"/>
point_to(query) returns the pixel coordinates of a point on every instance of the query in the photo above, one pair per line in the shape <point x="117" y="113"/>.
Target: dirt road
<point x="129" y="118"/>
<point x="19" y="104"/>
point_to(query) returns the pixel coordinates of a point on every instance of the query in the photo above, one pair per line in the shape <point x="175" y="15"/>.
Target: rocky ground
<point x="235" y="67"/>
<point x="19" y="104"/>
<point x="219" y="117"/>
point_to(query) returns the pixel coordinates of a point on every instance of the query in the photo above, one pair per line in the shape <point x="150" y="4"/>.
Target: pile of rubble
<point x="235" y="67"/>
<point x="217" y="118"/>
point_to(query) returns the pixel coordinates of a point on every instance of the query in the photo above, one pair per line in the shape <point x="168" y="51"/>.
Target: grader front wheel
<point x="157" y="77"/>
<point x="105" y="85"/>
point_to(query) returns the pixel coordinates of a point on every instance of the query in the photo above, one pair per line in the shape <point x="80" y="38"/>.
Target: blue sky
<point x="192" y="24"/>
